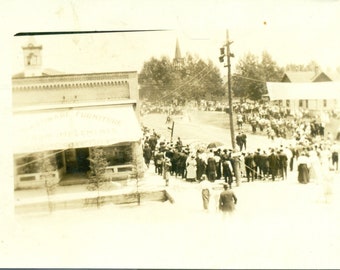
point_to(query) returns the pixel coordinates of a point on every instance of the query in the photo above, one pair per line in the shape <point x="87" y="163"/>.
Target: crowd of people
<point x="310" y="152"/>
<point x="231" y="165"/>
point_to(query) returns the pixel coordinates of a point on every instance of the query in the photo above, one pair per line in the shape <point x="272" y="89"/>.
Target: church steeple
<point x="178" y="60"/>
<point x="32" y="58"/>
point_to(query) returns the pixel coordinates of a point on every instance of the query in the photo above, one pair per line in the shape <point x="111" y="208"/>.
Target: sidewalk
<point x="151" y="187"/>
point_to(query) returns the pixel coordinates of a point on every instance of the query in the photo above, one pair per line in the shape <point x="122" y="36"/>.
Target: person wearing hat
<point x="227" y="200"/>
<point x="147" y="154"/>
<point x="250" y="166"/>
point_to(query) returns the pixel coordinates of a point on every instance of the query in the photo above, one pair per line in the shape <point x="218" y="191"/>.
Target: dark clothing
<point x="211" y="169"/>
<point x="291" y="161"/>
<point x="249" y="164"/>
<point x="243" y="141"/>
<point x="152" y="142"/>
<point x="283" y="164"/>
<point x="174" y="161"/>
<point x="335" y="160"/>
<point x="147" y="154"/>
<point x="264" y="165"/>
<point x="303" y="174"/>
<point x="181" y="165"/>
<point x="158" y="159"/>
<point x="227" y="201"/>
<point x="201" y="168"/>
<point x="239" y="141"/>
<point x="257" y="165"/>
<point x="273" y="161"/>
<point x="227" y="171"/>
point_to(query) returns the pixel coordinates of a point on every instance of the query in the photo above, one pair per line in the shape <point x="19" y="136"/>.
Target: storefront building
<point x="58" y="119"/>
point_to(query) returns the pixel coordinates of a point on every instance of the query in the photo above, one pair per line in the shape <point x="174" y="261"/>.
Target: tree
<point x="252" y="74"/>
<point x="311" y="66"/>
<point x="155" y="77"/>
<point x="247" y="82"/>
<point x="195" y="79"/>
<point x="47" y="165"/>
<point x="271" y="72"/>
<point x="98" y="164"/>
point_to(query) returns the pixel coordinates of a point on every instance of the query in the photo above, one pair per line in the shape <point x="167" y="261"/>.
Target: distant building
<point x="61" y="117"/>
<point x="178" y="60"/>
<point x="299" y="98"/>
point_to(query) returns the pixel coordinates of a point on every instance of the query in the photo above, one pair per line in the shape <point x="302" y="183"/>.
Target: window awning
<point x="76" y="127"/>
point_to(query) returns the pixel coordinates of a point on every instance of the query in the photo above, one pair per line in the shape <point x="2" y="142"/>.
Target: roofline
<point x="74" y="74"/>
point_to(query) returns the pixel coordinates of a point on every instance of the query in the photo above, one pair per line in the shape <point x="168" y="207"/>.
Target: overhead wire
<point x="176" y="90"/>
<point x="248" y="78"/>
<point x="37" y="159"/>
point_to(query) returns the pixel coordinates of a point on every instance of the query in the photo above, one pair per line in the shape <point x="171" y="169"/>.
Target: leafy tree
<point x="155" y="77"/>
<point x="47" y="165"/>
<point x="247" y="83"/>
<point x="195" y="79"/>
<point x="311" y="66"/>
<point x="271" y="72"/>
<point x="252" y="74"/>
<point x="98" y="164"/>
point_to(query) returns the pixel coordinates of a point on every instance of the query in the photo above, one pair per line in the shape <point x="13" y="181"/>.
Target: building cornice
<point x="73" y="80"/>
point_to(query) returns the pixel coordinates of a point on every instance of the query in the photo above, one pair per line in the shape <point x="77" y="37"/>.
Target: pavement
<point x="281" y="224"/>
<point x="74" y="196"/>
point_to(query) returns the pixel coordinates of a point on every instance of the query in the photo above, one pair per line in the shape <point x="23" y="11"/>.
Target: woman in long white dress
<point x="191" y="168"/>
<point x="315" y="170"/>
<point x="325" y="156"/>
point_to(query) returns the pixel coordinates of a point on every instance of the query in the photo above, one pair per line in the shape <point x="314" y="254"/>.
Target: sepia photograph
<point x="170" y="134"/>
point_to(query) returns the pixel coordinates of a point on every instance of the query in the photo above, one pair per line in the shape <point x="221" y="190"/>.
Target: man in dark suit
<point x="239" y="141"/>
<point x="283" y="159"/>
<point x="249" y="163"/>
<point x="227" y="200"/>
<point x="257" y="173"/>
<point x="273" y="161"/>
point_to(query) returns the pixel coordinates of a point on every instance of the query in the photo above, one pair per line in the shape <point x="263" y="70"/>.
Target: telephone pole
<point x="221" y="58"/>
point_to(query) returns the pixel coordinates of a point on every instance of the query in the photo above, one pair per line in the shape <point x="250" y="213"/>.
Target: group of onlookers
<point x="231" y="165"/>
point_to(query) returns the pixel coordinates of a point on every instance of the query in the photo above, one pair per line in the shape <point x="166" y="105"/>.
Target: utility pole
<point x="221" y="58"/>
<point x="172" y="130"/>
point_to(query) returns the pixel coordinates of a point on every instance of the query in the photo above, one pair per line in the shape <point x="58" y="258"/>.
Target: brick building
<point x="62" y="117"/>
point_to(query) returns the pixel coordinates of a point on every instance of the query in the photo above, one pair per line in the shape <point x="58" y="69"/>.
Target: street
<point x="276" y="224"/>
<point x="280" y="224"/>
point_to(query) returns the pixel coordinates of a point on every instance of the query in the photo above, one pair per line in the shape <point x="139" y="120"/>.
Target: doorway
<point x="77" y="160"/>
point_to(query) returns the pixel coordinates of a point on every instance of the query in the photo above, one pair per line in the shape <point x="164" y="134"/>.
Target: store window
<point x="59" y="160"/>
<point x="300" y="103"/>
<point x="325" y="102"/>
<point x="118" y="154"/>
<point x="36" y="163"/>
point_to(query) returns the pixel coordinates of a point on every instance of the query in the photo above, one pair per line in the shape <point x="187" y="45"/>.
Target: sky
<point x="290" y="31"/>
